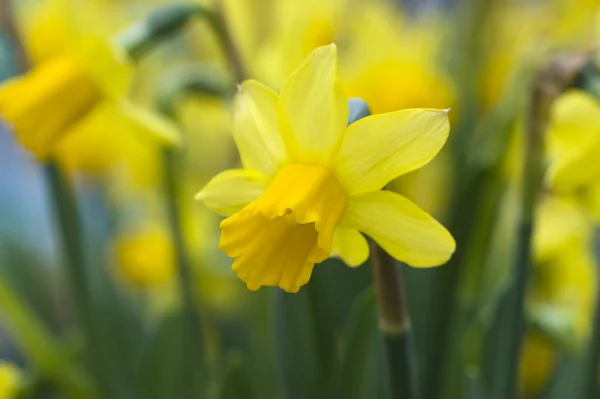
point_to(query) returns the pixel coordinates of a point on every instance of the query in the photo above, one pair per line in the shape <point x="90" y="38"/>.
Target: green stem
<point x="394" y="325"/>
<point x="219" y="26"/>
<point x="72" y="244"/>
<point x="140" y="38"/>
<point x="193" y="332"/>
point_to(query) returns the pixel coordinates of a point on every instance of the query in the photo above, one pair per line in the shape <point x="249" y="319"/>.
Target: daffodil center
<point x="277" y="239"/>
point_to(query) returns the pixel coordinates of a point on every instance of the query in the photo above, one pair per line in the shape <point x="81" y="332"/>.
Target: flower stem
<point x="394" y="325"/>
<point x="219" y="26"/>
<point x="7" y="24"/>
<point x="193" y="332"/>
<point x="551" y="80"/>
<point x="142" y="37"/>
<point x="72" y="243"/>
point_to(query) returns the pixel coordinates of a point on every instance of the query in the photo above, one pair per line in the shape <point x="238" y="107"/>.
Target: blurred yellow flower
<point x="10" y="378"/>
<point x="310" y="185"/>
<point x="146" y="258"/>
<point x="574" y="142"/>
<point x="73" y="74"/>
<point x="537" y="363"/>
<point x="565" y="266"/>
<point x="402" y="70"/>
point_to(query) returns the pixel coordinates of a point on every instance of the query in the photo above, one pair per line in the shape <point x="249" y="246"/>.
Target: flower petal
<point x="231" y="190"/>
<point x="312" y="110"/>
<point x="150" y="124"/>
<point x="401" y="228"/>
<point x="381" y="147"/>
<point x="256" y="129"/>
<point x="577" y="168"/>
<point x="350" y="246"/>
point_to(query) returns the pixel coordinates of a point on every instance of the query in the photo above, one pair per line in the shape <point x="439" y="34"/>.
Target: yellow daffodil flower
<point x="537" y="363"/>
<point x="574" y="142"/>
<point x="146" y="257"/>
<point x="72" y="76"/>
<point x="402" y="70"/>
<point x="310" y="184"/>
<point x="10" y="377"/>
<point x="565" y="266"/>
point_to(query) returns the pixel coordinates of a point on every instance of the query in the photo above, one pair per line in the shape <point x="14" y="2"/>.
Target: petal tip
<point x="200" y="195"/>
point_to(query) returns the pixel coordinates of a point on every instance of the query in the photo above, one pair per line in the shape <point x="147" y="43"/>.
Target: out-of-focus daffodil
<point x="402" y="70"/>
<point x="565" y="265"/>
<point x="10" y="379"/>
<point x="309" y="184"/>
<point x="516" y="29"/>
<point x="298" y="28"/>
<point x="574" y="142"/>
<point x="146" y="257"/>
<point x="72" y="76"/>
<point x="537" y="363"/>
<point x="562" y="295"/>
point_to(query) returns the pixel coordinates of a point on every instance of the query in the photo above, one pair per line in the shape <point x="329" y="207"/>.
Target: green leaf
<point x="360" y="369"/>
<point x="297" y="341"/>
<point x="308" y="326"/>
<point x="42" y="349"/>
<point x="161" y="366"/>
<point x="235" y="383"/>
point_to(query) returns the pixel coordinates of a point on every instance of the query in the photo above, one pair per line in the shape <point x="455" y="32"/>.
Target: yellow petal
<point x="107" y="64"/>
<point x="401" y="228"/>
<point x="561" y="223"/>
<point x="46" y="27"/>
<point x="578" y="168"/>
<point x="150" y="124"/>
<point x="312" y="110"/>
<point x="255" y="128"/>
<point x="230" y="191"/>
<point x="381" y="147"/>
<point x="350" y="246"/>
<point x="106" y="143"/>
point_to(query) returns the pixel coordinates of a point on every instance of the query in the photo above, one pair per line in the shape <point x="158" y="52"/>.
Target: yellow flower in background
<point x="72" y="75"/>
<point x="574" y="142"/>
<point x="565" y="266"/>
<point x="402" y="70"/>
<point x="518" y="31"/>
<point x="10" y="378"/>
<point x="310" y="184"/>
<point x="145" y="258"/>
<point x="537" y="363"/>
<point x="296" y="29"/>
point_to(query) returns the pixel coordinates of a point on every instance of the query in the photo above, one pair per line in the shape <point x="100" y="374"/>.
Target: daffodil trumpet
<point x="310" y="184"/>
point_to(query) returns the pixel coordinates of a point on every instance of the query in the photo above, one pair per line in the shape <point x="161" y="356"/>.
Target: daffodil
<point x="538" y="361"/>
<point x="402" y="70"/>
<point x="73" y="75"/>
<point x="310" y="184"/>
<point x="146" y="257"/>
<point x="574" y="142"/>
<point x="564" y="287"/>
